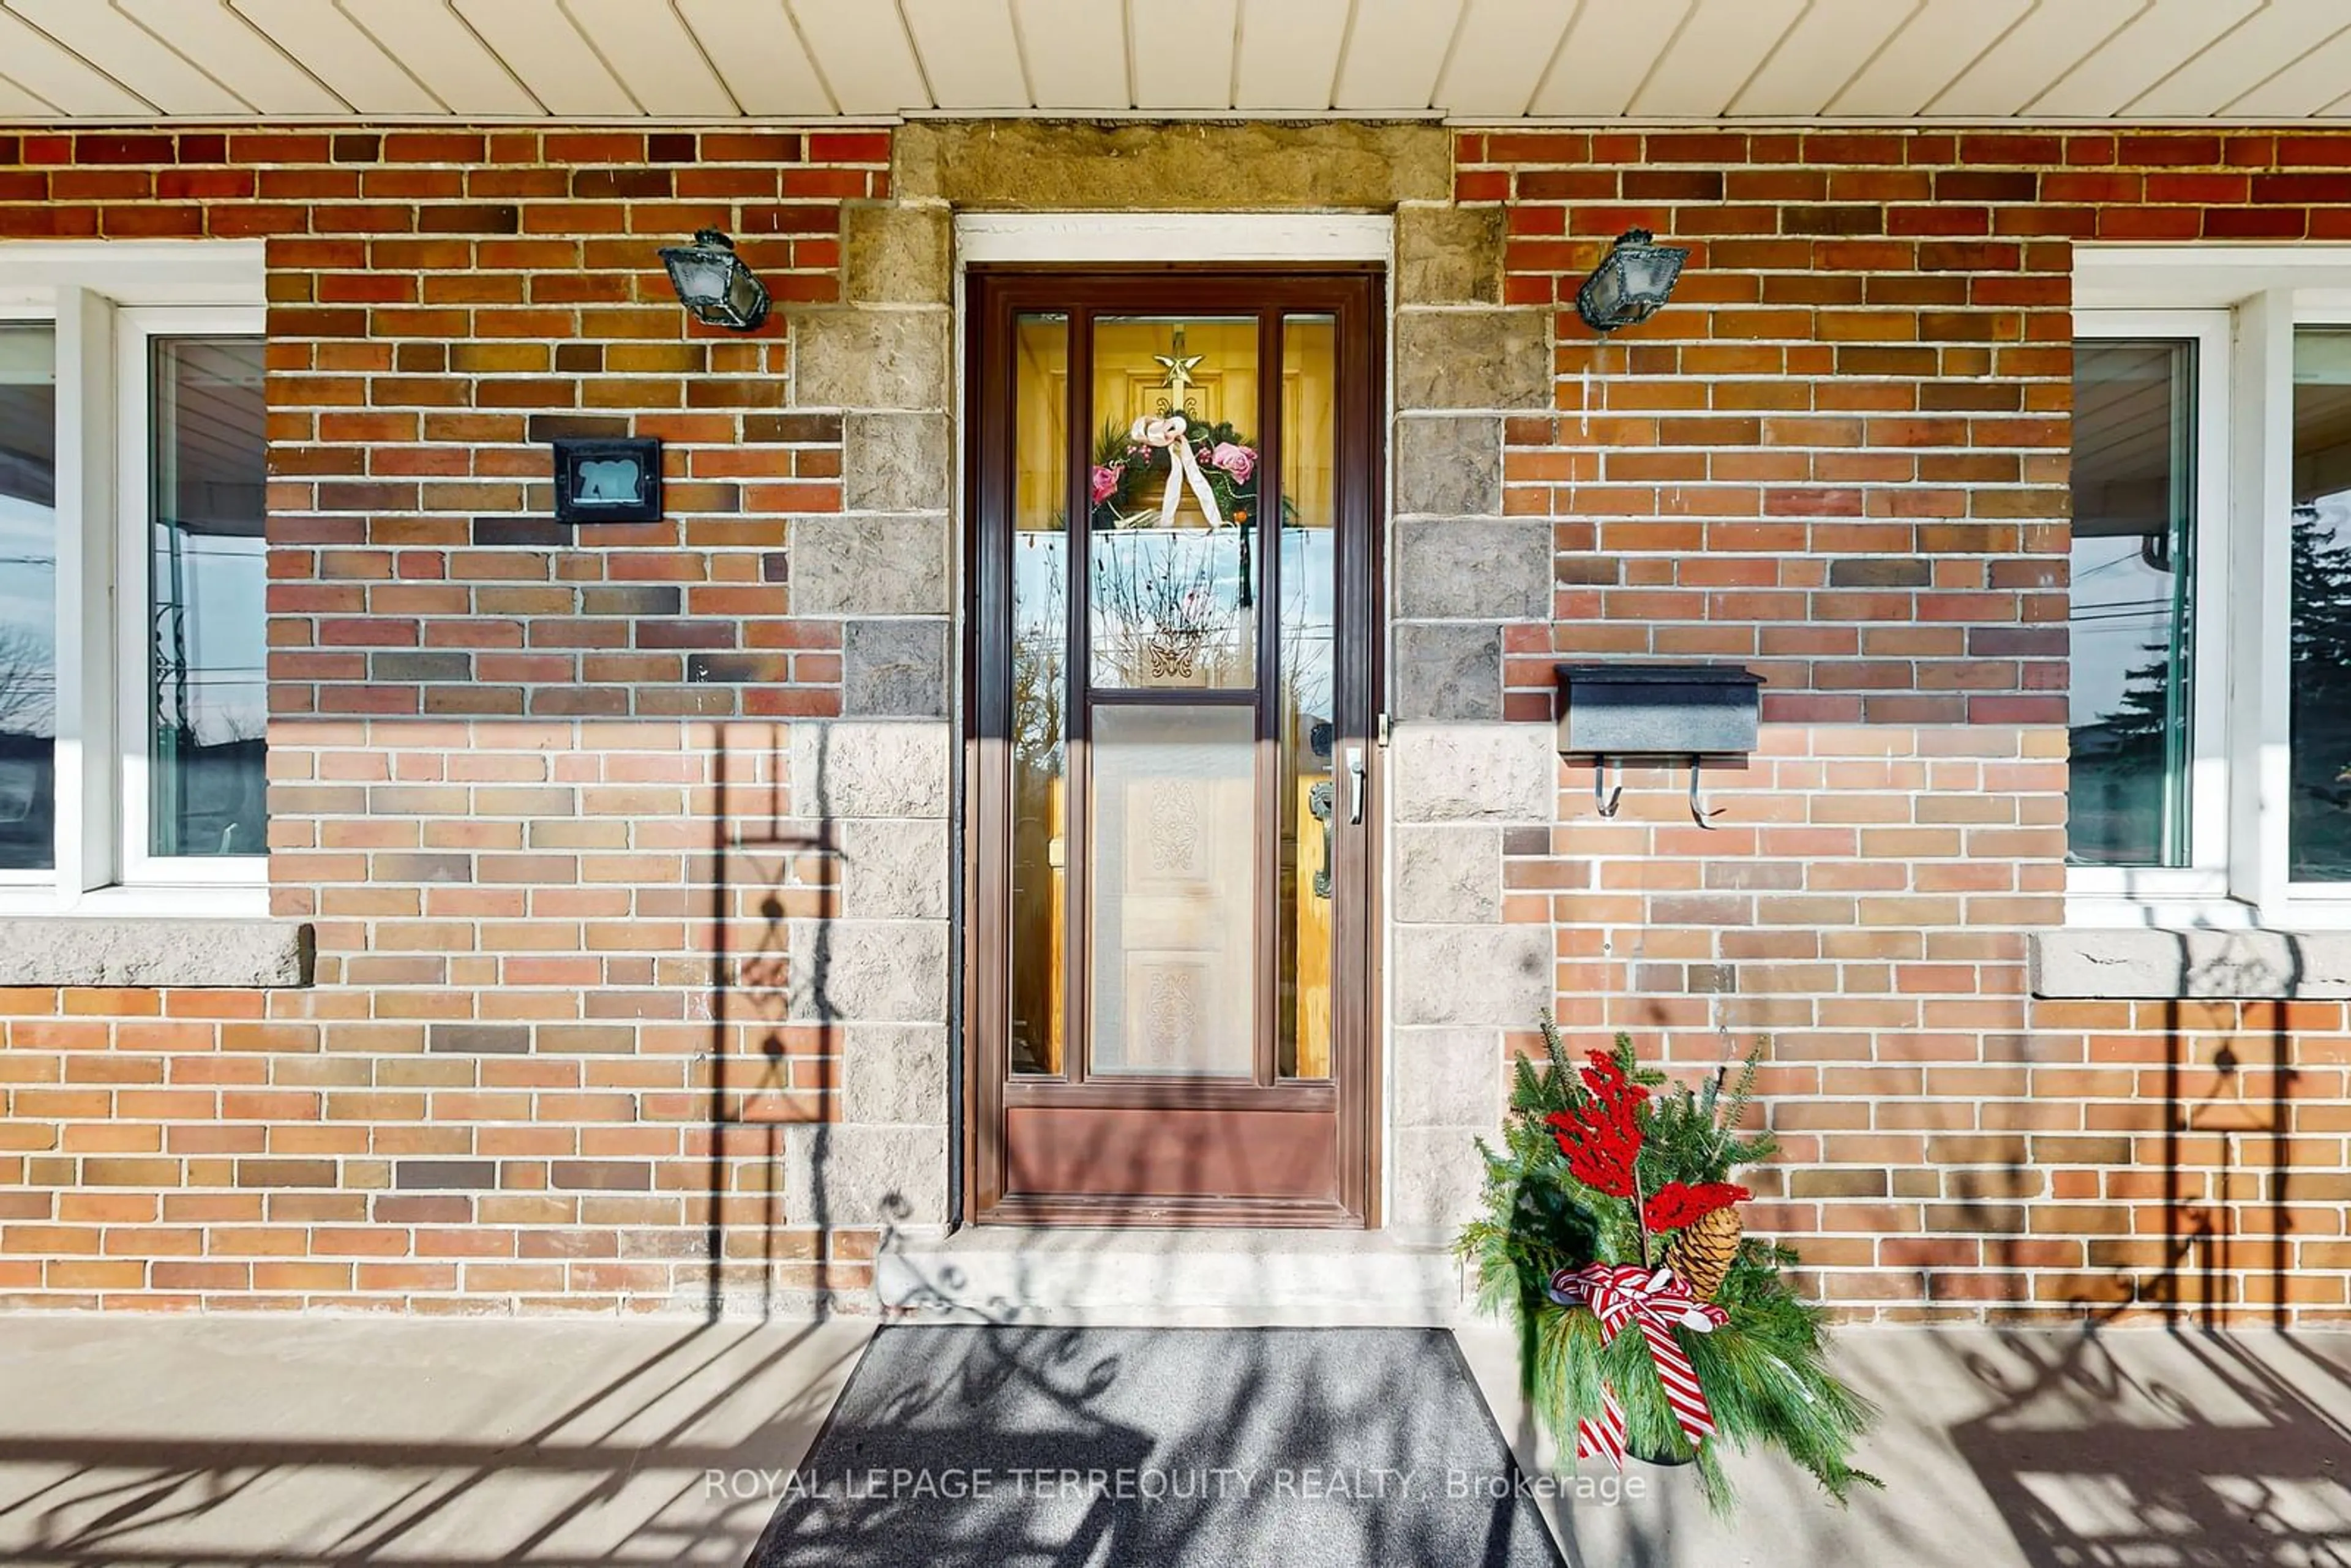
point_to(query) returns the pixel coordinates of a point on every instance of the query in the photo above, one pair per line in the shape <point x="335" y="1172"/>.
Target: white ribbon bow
<point x="1183" y="468"/>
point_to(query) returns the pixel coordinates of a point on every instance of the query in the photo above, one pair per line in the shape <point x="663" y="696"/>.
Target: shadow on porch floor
<point x="235" y="1442"/>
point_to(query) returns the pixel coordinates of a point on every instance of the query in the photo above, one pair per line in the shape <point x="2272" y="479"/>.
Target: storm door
<point x="1172" y="481"/>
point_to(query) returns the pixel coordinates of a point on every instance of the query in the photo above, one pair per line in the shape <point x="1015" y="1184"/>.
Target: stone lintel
<point x="1172" y="166"/>
<point x="77" y="950"/>
<point x="2145" y="963"/>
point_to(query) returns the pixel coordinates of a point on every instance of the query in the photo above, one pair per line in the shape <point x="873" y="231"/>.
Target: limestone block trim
<point x="2150" y="964"/>
<point x="1189" y="165"/>
<point x="155" y="952"/>
<point x="1459" y="358"/>
<point x="1449" y="255"/>
<point x="872" y="358"/>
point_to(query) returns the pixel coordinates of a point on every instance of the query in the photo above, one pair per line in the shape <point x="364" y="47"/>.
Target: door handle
<point x="1356" y="775"/>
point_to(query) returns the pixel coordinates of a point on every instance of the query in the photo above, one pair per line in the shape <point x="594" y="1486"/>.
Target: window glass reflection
<point x="207" y="577"/>
<point x="2318" y="823"/>
<point x="28" y="596"/>
<point x="1040" y="625"/>
<point x="2134" y="417"/>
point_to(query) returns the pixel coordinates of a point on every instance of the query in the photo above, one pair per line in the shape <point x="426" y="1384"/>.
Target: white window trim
<point x="2265" y="292"/>
<point x="137" y="332"/>
<point x="2206" y="874"/>
<point x="90" y="289"/>
<point x="1296" y="238"/>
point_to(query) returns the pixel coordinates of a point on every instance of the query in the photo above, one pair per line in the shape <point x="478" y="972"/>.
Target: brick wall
<point x="507" y="759"/>
<point x="1841" y="458"/>
<point x="501" y="750"/>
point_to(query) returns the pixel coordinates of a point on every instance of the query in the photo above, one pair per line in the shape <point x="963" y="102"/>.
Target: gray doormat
<point x="1025" y="1447"/>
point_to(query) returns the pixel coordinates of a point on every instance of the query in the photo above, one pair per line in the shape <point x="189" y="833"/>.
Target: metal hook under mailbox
<point x="1698" y="812"/>
<point x="1606" y="804"/>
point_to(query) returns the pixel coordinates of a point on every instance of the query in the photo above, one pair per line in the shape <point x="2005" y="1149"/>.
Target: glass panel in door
<point x="1173" y="650"/>
<point x="1311" y="787"/>
<point x="1174" y="497"/>
<point x="1171" y="607"/>
<point x="1174" y="885"/>
<point x="1039" y="741"/>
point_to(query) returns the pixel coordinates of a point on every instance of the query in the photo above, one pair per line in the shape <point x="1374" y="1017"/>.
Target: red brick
<point x="1838" y="457"/>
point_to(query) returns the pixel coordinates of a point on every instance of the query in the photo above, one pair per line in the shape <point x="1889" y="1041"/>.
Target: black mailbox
<point x="1658" y="710"/>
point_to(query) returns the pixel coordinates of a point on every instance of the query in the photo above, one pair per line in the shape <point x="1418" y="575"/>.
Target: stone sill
<point x="2137" y="963"/>
<point x="154" y="952"/>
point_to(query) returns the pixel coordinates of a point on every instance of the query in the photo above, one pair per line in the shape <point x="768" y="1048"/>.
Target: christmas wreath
<point x="1142" y="472"/>
<point x="1647" y="1322"/>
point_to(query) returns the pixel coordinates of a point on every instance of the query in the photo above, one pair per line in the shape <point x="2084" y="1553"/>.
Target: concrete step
<point x="1024" y="1274"/>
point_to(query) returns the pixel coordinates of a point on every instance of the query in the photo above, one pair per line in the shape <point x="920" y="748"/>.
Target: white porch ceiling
<point x="1581" y="60"/>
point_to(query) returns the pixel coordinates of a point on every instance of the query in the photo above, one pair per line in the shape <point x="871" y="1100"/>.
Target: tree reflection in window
<point x="2134" y="530"/>
<point x="2318" y="834"/>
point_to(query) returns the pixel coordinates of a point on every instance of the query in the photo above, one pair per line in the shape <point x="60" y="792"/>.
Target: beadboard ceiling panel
<point x="970" y="51"/>
<point x="1077" y="52"/>
<point x="2167" y="36"/>
<point x="1934" y="49"/>
<point x="759" y="56"/>
<point x="1607" y="54"/>
<point x="656" y="57"/>
<point x="392" y="56"/>
<point x="1502" y="49"/>
<point x="104" y="36"/>
<point x="864" y="52"/>
<point x="1394" y="53"/>
<point x="225" y="46"/>
<point x="2030" y="57"/>
<point x="2240" y="59"/>
<point x="552" y="57"/>
<point x="1184" y="54"/>
<point x="32" y="63"/>
<point x="1720" y="47"/>
<point x="1582" y="61"/>
<point x="1827" y="47"/>
<point x="1288" y="54"/>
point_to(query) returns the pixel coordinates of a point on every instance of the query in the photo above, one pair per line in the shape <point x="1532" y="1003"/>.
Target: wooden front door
<point x="1172" y="481"/>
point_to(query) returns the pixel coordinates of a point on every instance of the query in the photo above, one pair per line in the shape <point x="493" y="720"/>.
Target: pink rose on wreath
<point x="1240" y="461"/>
<point x="1105" y="482"/>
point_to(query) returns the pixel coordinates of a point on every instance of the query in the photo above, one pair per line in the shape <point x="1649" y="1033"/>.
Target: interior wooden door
<point x="1172" y="479"/>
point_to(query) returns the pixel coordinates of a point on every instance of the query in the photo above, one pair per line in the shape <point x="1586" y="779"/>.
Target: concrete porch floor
<point x="258" y="1440"/>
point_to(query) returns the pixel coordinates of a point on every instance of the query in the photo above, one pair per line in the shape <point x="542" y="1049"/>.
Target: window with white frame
<point x="28" y="596"/>
<point x="2318" y="809"/>
<point x="133" y="699"/>
<point x="2210" y="616"/>
<point x="2148" y="786"/>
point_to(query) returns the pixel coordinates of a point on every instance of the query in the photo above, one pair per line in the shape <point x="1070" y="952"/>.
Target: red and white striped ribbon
<point x="1602" y="1434"/>
<point x="1622" y="1293"/>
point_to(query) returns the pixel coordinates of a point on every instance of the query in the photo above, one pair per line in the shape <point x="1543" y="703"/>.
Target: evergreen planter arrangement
<point x="1647" y="1322"/>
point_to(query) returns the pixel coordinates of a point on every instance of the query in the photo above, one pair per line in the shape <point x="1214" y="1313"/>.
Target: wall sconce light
<point x="1631" y="284"/>
<point x="712" y="282"/>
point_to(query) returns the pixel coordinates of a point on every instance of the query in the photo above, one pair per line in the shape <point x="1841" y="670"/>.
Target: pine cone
<point x="1700" y="1255"/>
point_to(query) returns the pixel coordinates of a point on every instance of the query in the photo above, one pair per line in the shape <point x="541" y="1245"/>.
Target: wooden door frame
<point x="1355" y="293"/>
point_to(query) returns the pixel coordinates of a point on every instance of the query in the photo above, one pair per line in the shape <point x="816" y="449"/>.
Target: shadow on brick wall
<point x="2189" y="1222"/>
<point x="2197" y="1447"/>
<point x="2226" y="1172"/>
<point x="755" y="993"/>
